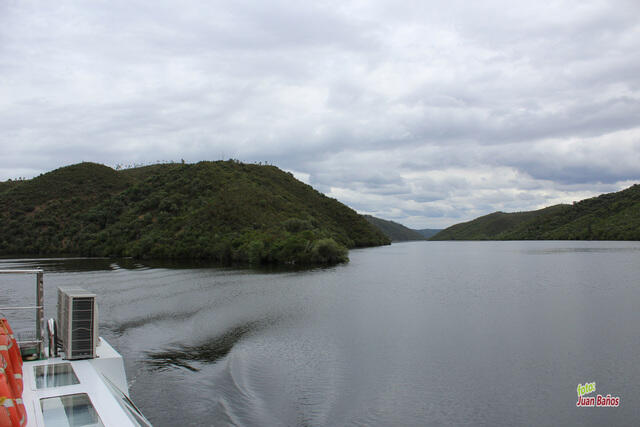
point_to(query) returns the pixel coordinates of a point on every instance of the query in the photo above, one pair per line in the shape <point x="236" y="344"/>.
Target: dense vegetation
<point x="394" y="231"/>
<point x="228" y="212"/>
<point x="614" y="216"/>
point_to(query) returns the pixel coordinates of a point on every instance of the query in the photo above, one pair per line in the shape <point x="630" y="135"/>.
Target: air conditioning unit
<point x="77" y="323"/>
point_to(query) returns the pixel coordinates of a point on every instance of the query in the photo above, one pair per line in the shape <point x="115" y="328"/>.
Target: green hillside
<point x="489" y="227"/>
<point x="613" y="216"/>
<point x="228" y="212"/>
<point x="7" y="185"/>
<point x="394" y="231"/>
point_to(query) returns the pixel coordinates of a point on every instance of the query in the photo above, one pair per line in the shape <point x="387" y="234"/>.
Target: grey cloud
<point x="432" y="112"/>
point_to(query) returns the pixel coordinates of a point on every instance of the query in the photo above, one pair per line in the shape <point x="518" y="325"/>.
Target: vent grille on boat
<point x="77" y="323"/>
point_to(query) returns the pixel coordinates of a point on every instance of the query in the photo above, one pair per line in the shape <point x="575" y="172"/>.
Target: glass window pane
<point x="55" y="375"/>
<point x="72" y="410"/>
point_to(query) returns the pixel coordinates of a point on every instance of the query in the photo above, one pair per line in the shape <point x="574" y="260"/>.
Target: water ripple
<point x="184" y="356"/>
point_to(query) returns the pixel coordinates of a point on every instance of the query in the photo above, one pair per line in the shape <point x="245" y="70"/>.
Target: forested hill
<point x="228" y="212"/>
<point x="613" y="216"/>
<point x="394" y="231"/>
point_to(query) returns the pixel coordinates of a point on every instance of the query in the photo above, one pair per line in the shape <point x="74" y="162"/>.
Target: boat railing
<point x="38" y="342"/>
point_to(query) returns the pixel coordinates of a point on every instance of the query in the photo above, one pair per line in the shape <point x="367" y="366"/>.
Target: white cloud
<point x="427" y="113"/>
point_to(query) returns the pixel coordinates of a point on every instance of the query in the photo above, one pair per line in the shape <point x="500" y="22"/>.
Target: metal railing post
<point x="40" y="313"/>
<point x="40" y="326"/>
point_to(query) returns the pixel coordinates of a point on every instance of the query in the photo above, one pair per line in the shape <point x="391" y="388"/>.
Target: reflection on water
<point x="425" y="333"/>
<point x="72" y="264"/>
<point x="594" y="249"/>
<point x="79" y="264"/>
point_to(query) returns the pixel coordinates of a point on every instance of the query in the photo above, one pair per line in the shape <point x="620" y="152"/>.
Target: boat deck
<point x="90" y="392"/>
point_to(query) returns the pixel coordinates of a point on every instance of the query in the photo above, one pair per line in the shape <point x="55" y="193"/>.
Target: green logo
<point x="586" y="388"/>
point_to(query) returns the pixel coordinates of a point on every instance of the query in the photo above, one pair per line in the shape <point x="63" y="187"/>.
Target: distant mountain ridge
<point x="394" y="231"/>
<point x="612" y="216"/>
<point x="429" y="232"/>
<point x="225" y="211"/>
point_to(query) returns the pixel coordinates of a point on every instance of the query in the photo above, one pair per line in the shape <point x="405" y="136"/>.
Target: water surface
<point x="425" y="333"/>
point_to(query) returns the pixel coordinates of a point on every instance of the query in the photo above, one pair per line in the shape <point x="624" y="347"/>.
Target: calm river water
<point x="424" y="333"/>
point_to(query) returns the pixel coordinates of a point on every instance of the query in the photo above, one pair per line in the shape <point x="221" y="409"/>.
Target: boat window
<point x="72" y="410"/>
<point x="55" y="375"/>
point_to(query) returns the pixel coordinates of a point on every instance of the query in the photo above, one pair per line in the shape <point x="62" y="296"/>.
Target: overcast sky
<point x="424" y="112"/>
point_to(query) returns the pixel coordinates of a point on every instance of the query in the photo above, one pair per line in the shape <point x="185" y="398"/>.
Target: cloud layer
<point x="427" y="113"/>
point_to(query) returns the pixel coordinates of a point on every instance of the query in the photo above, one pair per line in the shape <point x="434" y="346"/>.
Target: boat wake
<point x="189" y="356"/>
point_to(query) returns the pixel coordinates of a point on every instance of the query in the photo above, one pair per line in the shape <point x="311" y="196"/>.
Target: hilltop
<point x="490" y="227"/>
<point x="613" y="216"/>
<point x="224" y="211"/>
<point x="394" y="231"/>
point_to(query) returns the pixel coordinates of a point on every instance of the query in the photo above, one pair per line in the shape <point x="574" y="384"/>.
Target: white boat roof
<point x="45" y="408"/>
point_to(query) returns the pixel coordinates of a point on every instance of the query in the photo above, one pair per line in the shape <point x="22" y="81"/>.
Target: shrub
<point x="328" y="251"/>
<point x="295" y="225"/>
